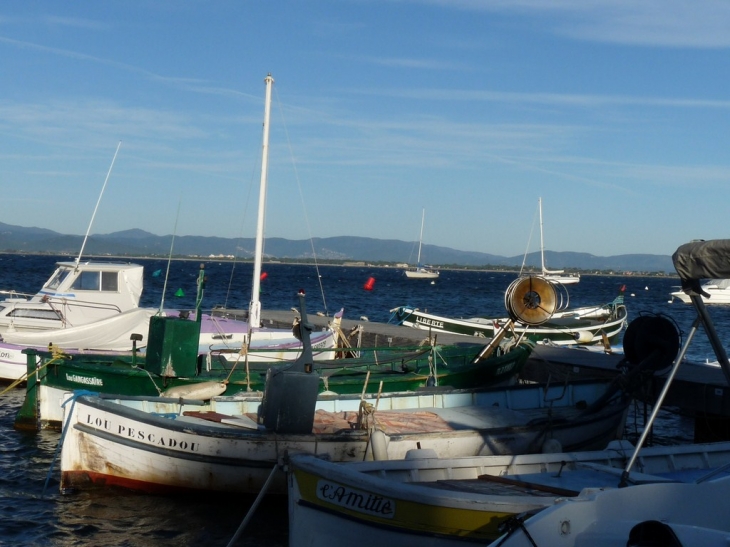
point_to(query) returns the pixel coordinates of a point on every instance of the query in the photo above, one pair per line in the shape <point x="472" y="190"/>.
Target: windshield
<point x="57" y="278"/>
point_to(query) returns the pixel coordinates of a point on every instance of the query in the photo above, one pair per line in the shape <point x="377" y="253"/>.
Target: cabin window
<point x="29" y="313"/>
<point x="109" y="281"/>
<point x="58" y="279"/>
<point x="94" y="281"/>
<point x="86" y="281"/>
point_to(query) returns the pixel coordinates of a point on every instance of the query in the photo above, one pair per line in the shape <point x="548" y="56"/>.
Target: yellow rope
<point x="57" y="354"/>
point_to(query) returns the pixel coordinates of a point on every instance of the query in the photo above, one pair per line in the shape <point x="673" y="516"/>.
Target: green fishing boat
<point x="173" y="367"/>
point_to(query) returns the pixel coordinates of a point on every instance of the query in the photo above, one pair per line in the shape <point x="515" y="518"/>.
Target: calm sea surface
<point x="32" y="512"/>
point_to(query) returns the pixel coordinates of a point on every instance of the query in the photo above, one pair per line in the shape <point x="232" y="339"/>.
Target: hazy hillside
<point x="347" y="248"/>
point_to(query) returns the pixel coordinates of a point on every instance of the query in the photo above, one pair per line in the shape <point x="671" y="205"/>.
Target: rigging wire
<point x="529" y="240"/>
<point x="240" y="232"/>
<point x="301" y="197"/>
<point x="169" y="258"/>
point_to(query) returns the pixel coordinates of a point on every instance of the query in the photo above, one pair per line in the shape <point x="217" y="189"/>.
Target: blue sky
<point x="614" y="112"/>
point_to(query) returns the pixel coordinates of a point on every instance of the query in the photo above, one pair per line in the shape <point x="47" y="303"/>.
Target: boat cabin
<point x="76" y="294"/>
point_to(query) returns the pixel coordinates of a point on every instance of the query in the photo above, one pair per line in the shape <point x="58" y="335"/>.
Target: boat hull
<point x="385" y="370"/>
<point x="585" y="326"/>
<point x="165" y="448"/>
<point x="453" y="500"/>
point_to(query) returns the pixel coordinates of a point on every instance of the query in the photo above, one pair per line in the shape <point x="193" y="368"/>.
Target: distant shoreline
<point x="343" y="263"/>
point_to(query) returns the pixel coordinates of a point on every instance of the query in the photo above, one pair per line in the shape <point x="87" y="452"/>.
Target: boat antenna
<point x="78" y="259"/>
<point x="169" y="257"/>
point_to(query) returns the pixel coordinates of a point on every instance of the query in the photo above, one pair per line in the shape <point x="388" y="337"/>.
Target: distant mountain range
<point x="345" y="248"/>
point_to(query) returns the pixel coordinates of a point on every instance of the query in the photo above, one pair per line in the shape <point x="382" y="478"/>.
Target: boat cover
<point x="108" y="334"/>
<point x="702" y="260"/>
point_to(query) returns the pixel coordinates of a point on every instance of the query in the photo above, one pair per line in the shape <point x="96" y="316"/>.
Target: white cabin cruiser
<point x="78" y="293"/>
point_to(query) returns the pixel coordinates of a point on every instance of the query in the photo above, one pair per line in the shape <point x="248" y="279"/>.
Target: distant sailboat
<point x="421" y="271"/>
<point x="554" y="276"/>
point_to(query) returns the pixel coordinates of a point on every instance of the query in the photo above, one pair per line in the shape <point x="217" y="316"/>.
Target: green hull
<point x="399" y="369"/>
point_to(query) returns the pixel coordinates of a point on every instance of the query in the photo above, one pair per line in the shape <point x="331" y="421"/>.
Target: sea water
<point x="33" y="512"/>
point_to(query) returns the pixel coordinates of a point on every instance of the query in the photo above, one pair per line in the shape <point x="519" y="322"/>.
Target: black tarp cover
<point x="702" y="260"/>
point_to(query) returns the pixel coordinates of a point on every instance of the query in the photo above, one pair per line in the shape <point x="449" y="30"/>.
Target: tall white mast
<point x="542" y="244"/>
<point x="420" y="239"/>
<point x="254" y="309"/>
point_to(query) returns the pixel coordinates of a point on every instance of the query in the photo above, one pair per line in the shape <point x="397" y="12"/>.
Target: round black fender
<point x="653" y="336"/>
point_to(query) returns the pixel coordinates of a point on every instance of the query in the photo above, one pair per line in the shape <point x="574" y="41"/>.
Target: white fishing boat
<point x="225" y="444"/>
<point x="450" y="501"/>
<point x="421" y="271"/>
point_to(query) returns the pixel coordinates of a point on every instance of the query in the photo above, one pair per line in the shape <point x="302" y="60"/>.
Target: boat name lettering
<point x="356" y="500"/>
<point x="84" y="380"/>
<point x="4" y="355"/>
<point x="504" y="369"/>
<point x="430" y="322"/>
<point x="141" y="435"/>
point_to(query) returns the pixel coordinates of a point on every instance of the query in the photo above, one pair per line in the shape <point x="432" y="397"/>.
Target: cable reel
<point x="531" y="300"/>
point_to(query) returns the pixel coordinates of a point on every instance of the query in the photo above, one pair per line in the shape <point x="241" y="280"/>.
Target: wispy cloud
<point x="659" y="23"/>
<point x="190" y="84"/>
<point x="404" y="62"/>
<point x="75" y="22"/>
<point x="557" y="99"/>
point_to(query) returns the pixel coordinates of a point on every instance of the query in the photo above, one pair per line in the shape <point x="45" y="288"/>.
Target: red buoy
<point x="263" y="276"/>
<point x="369" y="284"/>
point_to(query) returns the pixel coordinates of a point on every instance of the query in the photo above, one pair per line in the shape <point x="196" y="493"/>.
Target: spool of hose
<point x="531" y="300"/>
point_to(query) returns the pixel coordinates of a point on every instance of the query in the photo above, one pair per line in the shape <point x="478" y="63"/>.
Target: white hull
<point x="456" y="494"/>
<point x="564" y="279"/>
<point x="694" y="514"/>
<point x="718" y="289"/>
<point x="219" y="337"/>
<point x="422" y="274"/>
<point x="109" y="443"/>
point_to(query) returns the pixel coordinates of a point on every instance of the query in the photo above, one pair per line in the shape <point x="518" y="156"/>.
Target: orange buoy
<point x="369" y="284"/>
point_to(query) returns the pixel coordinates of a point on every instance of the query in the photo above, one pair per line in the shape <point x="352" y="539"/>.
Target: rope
<point x="56" y="353"/>
<point x="147" y="372"/>
<point x="73" y="398"/>
<point x="512" y="525"/>
<point x="253" y="507"/>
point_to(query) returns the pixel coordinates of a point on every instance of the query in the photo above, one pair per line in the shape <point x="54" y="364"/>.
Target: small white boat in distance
<point x="717" y="290"/>
<point x="554" y="276"/>
<point x="421" y="271"/>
